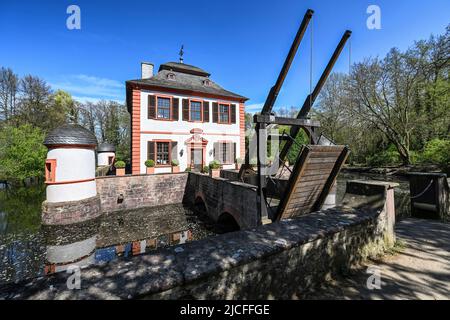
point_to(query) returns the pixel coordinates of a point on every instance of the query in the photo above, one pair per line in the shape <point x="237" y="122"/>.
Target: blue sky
<point x="242" y="43"/>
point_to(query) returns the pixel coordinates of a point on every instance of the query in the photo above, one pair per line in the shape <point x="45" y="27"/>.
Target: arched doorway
<point x="227" y="223"/>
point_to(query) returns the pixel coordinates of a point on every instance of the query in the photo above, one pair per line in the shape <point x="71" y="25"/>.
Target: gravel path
<point x="421" y="270"/>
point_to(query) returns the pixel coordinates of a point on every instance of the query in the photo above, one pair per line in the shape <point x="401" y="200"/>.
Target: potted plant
<point x="188" y="169"/>
<point x="238" y="163"/>
<point x="150" y="164"/>
<point x="205" y="169"/>
<point x="175" y="166"/>
<point x="214" y="169"/>
<point x="120" y="168"/>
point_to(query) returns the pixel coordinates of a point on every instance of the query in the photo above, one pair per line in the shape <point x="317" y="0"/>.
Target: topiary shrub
<point x="120" y="164"/>
<point x="150" y="163"/>
<point x="175" y="162"/>
<point x="205" y="169"/>
<point x="214" y="165"/>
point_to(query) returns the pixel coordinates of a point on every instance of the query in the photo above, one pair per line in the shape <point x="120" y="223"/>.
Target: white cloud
<point x="94" y="100"/>
<point x="91" y="88"/>
<point x="253" y="108"/>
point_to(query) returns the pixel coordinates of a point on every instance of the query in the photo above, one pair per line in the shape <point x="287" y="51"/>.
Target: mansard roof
<point x="187" y="78"/>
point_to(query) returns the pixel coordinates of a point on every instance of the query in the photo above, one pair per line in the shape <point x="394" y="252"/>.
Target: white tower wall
<point x="75" y="174"/>
<point x="103" y="158"/>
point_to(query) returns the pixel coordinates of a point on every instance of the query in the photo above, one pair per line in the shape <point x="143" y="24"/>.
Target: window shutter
<point x="151" y="151"/>
<point x="233" y="155"/>
<point x="229" y="152"/>
<point x="175" y="108"/>
<point x="215" y="112"/>
<point x="233" y="113"/>
<point x="216" y="151"/>
<point x="205" y="111"/>
<point x="151" y="107"/>
<point x="185" y="109"/>
<point x="174" y="155"/>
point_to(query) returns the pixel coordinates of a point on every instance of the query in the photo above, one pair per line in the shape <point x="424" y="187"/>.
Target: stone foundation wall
<point x="60" y="213"/>
<point x="138" y="191"/>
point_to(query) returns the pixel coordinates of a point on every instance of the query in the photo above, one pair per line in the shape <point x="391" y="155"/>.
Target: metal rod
<point x="274" y="91"/>
<point x="309" y="101"/>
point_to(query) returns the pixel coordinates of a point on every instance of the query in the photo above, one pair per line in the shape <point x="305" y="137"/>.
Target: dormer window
<point x="206" y="83"/>
<point x="171" y="76"/>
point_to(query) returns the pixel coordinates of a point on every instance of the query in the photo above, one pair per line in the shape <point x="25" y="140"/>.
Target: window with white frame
<point x="162" y="153"/>
<point x="163" y="108"/>
<point x="196" y="111"/>
<point x="224" y="113"/>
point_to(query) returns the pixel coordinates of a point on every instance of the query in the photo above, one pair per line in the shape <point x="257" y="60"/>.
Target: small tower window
<point x="50" y="170"/>
<point x="171" y="76"/>
<point x="206" y="83"/>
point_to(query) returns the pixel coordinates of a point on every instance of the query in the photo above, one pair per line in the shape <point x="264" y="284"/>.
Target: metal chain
<point x="423" y="192"/>
<point x="349" y="56"/>
<point x="311" y="62"/>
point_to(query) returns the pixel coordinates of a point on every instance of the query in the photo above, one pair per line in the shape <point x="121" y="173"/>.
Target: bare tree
<point x="382" y="95"/>
<point x="35" y="99"/>
<point x="9" y="83"/>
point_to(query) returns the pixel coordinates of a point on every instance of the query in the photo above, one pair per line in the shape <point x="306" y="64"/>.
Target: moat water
<point x="28" y="249"/>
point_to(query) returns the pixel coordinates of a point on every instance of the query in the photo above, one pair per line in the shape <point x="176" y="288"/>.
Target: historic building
<point x="180" y="114"/>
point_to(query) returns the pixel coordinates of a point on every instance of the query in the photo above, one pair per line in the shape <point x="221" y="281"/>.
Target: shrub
<point x="437" y="151"/>
<point x="214" y="164"/>
<point x="384" y="158"/>
<point x="22" y="154"/>
<point x="175" y="162"/>
<point x="205" y="169"/>
<point x="150" y="163"/>
<point x="120" y="164"/>
<point x="188" y="169"/>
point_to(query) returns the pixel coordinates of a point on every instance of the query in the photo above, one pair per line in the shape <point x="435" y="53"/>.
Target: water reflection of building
<point x="119" y="234"/>
<point x="70" y="245"/>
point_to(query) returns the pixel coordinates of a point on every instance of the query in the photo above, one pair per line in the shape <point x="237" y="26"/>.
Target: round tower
<point x="106" y="154"/>
<point x="70" y="176"/>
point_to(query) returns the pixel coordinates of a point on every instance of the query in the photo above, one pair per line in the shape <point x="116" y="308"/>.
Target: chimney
<point x="146" y="70"/>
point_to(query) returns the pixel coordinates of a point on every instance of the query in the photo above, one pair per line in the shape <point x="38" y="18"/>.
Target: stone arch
<point x="200" y="203"/>
<point x="227" y="223"/>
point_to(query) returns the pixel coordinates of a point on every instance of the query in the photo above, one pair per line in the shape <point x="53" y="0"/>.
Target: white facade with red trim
<point x="193" y="138"/>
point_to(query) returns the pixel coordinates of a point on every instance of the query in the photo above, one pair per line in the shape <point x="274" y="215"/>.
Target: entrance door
<point x="197" y="159"/>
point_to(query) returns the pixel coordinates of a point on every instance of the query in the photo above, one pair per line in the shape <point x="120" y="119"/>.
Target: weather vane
<point x="181" y="53"/>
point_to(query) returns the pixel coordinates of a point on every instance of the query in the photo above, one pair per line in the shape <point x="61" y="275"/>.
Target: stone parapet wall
<point x="138" y="191"/>
<point x="60" y="213"/>
<point x="281" y="260"/>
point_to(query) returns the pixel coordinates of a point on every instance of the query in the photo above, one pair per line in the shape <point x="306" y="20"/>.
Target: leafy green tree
<point x="61" y="109"/>
<point x="22" y="154"/>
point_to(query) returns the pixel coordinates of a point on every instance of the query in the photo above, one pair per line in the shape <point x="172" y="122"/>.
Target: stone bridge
<point x="223" y="200"/>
